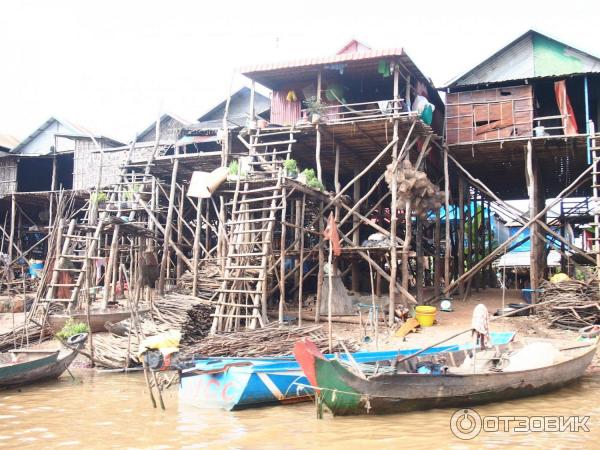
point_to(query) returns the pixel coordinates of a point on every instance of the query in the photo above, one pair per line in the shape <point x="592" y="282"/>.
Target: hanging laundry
<point x="383" y="68"/>
<point x="331" y="233"/>
<point x="291" y="96"/>
<point x="565" y="108"/>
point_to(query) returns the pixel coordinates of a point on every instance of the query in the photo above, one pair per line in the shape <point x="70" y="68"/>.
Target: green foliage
<point x="71" y="328"/>
<point x="234" y="167"/>
<point x="131" y="191"/>
<point x="314" y="106"/>
<point x="99" y="197"/>
<point x="290" y="166"/>
<point x="312" y="180"/>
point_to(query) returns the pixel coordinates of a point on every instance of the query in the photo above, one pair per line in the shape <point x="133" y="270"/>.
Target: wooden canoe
<point x="394" y="389"/>
<point x="29" y="366"/>
<point x="97" y="319"/>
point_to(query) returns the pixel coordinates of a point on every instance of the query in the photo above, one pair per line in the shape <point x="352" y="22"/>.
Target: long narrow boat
<point x="451" y="379"/>
<point x="238" y="383"/>
<point x="29" y="366"/>
<point x="97" y="318"/>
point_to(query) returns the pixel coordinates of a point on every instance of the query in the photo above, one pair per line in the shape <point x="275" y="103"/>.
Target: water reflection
<point x="113" y="411"/>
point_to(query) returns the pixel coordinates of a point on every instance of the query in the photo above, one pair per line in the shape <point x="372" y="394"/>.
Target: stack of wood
<point x="575" y="304"/>
<point x="415" y="186"/>
<point x="167" y="313"/>
<point x="208" y="280"/>
<point x="272" y="340"/>
<point x="197" y="325"/>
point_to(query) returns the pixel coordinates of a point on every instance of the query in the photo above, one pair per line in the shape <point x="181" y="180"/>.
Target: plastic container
<point x="526" y="295"/>
<point x="425" y="315"/>
<point x="35" y="268"/>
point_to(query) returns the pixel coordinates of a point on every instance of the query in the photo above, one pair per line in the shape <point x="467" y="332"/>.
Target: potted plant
<point x="291" y="168"/>
<point x="312" y="180"/>
<point x="315" y="109"/>
<point x="99" y="199"/>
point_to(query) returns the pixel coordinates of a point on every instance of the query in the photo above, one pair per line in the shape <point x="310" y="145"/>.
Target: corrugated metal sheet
<point x="307" y="62"/>
<point x="531" y="55"/>
<point x="511" y="63"/>
<point x="8" y="142"/>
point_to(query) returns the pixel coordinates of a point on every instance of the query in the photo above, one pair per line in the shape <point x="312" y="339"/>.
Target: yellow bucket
<point x="425" y="315"/>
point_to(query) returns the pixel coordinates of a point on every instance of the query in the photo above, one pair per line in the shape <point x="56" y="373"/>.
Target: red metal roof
<point x="319" y="61"/>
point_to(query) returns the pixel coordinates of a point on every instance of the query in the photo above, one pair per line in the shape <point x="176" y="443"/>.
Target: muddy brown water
<point x="113" y="411"/>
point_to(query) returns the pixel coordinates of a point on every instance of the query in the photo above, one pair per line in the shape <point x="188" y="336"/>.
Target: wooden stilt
<point x="447" y="243"/>
<point x="461" y="235"/>
<point x="301" y="268"/>
<point x="532" y="192"/>
<point x="355" y="236"/>
<point x="321" y="271"/>
<point x="437" y="267"/>
<point x="419" y="265"/>
<point x="168" y="227"/>
<point x="180" y="220"/>
<point x="394" y="210"/>
<point x="196" y="249"/>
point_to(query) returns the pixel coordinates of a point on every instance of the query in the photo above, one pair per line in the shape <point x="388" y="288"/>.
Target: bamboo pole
<point x="301" y="268"/>
<point x="320" y="274"/>
<point x="180" y="238"/>
<point x="318" y="137"/>
<point x="532" y="193"/>
<point x="570" y="188"/>
<point x="448" y="249"/>
<point x="283" y="256"/>
<point x="196" y="249"/>
<point x="329" y="295"/>
<point x="168" y="226"/>
<point x="394" y="208"/>
<point x="419" y="265"/>
<point x="437" y="253"/>
<point x="461" y="235"/>
<point x="355" y="236"/>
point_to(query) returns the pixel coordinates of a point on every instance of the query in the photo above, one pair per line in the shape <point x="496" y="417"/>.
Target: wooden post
<point x="436" y="256"/>
<point x="179" y="270"/>
<point x="490" y="238"/>
<point x="419" y="248"/>
<point x="321" y="267"/>
<point x="301" y="268"/>
<point x="283" y="256"/>
<point x="196" y="249"/>
<point x="168" y="227"/>
<point x="461" y="235"/>
<point x="318" y="137"/>
<point x="355" y="236"/>
<point x="252" y="95"/>
<point x="406" y="249"/>
<point x="394" y="209"/>
<point x="533" y="203"/>
<point x="11" y="240"/>
<point x="448" y="248"/>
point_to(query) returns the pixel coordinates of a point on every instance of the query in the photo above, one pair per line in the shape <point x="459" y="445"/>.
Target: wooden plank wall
<point x="486" y="114"/>
<point x="8" y="175"/>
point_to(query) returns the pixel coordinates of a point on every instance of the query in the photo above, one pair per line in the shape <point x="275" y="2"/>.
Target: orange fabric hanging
<point x="565" y="108"/>
<point x="331" y="233"/>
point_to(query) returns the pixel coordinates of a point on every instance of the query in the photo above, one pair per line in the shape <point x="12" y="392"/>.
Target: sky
<point x="114" y="66"/>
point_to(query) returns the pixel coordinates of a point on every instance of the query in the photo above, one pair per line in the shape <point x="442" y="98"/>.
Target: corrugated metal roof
<point x="333" y="59"/>
<point x="523" y="58"/>
<point x="7" y="141"/>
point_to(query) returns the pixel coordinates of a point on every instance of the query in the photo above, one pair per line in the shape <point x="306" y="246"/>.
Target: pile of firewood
<point x="272" y="340"/>
<point x="575" y="304"/>
<point x="414" y="186"/>
<point x="208" y="281"/>
<point x="197" y="325"/>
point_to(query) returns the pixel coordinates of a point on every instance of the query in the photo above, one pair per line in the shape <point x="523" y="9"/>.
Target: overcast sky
<point x="112" y="66"/>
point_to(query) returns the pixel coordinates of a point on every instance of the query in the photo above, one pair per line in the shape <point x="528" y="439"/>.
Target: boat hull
<point x="240" y="383"/>
<point x="44" y="368"/>
<point x="97" y="320"/>
<point x="347" y="394"/>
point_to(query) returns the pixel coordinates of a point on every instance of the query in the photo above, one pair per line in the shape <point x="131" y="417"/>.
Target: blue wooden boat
<point x="239" y="383"/>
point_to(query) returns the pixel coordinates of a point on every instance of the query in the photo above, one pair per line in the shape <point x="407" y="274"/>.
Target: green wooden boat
<point x="452" y="379"/>
<point x="19" y="367"/>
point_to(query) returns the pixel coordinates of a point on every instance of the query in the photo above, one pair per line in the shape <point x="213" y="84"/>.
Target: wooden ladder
<point x="256" y="202"/>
